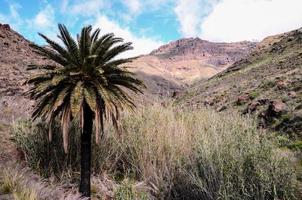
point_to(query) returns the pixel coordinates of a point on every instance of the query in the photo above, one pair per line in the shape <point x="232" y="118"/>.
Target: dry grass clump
<point x="22" y="184"/>
<point x="129" y="190"/>
<point x="176" y="155"/>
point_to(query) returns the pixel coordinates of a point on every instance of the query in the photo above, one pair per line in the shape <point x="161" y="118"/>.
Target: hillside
<point x="165" y="71"/>
<point x="15" y="55"/>
<point x="161" y="151"/>
<point x="188" y="59"/>
<point x="266" y="84"/>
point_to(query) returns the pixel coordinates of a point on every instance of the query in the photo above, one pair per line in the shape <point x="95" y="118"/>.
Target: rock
<point x="221" y="108"/>
<point x="292" y="94"/>
<point x="263" y="101"/>
<point x="278" y="106"/>
<point x="4" y="26"/>
<point x="175" y="94"/>
<point x="209" y="101"/>
<point x="282" y="84"/>
<point x="5" y="103"/>
<point x="253" y="106"/>
<point x="243" y="99"/>
<point x="275" y="109"/>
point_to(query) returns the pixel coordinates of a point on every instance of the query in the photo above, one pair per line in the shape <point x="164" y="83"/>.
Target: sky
<point x="152" y="23"/>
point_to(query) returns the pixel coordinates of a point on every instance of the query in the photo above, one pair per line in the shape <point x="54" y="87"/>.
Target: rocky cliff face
<point x="267" y="84"/>
<point x="166" y="71"/>
<point x="190" y="59"/>
<point x="15" y="55"/>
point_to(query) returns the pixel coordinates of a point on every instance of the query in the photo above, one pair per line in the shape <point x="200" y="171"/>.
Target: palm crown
<point x="84" y="71"/>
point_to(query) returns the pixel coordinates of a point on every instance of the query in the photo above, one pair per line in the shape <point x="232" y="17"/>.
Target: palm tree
<point x="85" y="81"/>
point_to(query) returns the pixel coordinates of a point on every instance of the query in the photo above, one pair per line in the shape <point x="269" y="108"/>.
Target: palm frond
<point x="60" y="50"/>
<point x="85" y="43"/>
<point x="99" y="42"/>
<point x="95" y="35"/>
<point x="114" y="51"/>
<point x="90" y="97"/>
<point x="66" y="116"/>
<point x="69" y="42"/>
<point x="82" y="71"/>
<point x="50" y="54"/>
<point x="76" y="99"/>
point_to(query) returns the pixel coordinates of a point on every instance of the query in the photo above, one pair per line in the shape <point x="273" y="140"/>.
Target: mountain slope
<point x="188" y="59"/>
<point x="15" y="55"/>
<point x="267" y="84"/>
<point x="165" y="71"/>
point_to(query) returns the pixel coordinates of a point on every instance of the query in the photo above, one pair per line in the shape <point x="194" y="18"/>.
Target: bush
<point x="178" y="154"/>
<point x="23" y="185"/>
<point x="127" y="190"/>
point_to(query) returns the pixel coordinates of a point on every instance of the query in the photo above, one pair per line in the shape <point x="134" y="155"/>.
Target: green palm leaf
<point x="84" y="71"/>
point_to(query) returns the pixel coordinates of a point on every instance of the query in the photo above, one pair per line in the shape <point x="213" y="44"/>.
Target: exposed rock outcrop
<point x="189" y="59"/>
<point x="267" y="83"/>
<point x="15" y="55"/>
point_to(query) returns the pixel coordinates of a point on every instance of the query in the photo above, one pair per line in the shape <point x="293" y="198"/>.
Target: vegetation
<point x="176" y="154"/>
<point x="272" y="72"/>
<point x="85" y="81"/>
<point x="21" y="184"/>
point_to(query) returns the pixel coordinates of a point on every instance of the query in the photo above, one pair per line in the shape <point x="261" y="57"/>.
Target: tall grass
<point x="24" y="185"/>
<point x="178" y="154"/>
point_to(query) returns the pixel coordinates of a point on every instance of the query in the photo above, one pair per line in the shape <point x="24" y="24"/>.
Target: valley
<point x="216" y="121"/>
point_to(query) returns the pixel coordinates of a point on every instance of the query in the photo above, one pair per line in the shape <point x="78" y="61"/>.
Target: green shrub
<point x="127" y="190"/>
<point x="179" y="154"/>
<point x="254" y="94"/>
<point x="268" y="84"/>
<point x="297" y="145"/>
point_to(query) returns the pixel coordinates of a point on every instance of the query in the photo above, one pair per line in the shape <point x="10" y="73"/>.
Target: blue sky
<point x="151" y="23"/>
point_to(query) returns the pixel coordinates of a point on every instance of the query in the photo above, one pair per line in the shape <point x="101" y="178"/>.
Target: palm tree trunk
<point x="86" y="152"/>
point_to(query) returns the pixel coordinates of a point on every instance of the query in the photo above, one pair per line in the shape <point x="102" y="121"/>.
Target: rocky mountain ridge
<point x="190" y="59"/>
<point x="15" y="56"/>
<point x="266" y="84"/>
<point x="166" y="71"/>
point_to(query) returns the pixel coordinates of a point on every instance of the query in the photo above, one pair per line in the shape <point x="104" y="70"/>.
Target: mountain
<point x="166" y="71"/>
<point x="266" y="84"/>
<point x="183" y="61"/>
<point x="15" y="56"/>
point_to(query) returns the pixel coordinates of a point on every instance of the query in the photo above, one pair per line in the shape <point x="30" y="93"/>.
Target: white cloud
<point x="84" y="7"/>
<point x="43" y="22"/>
<point x="64" y="5"/>
<point x="137" y="7"/>
<point x="235" y="20"/>
<point x="95" y="12"/>
<point x="13" y="8"/>
<point x="13" y="18"/>
<point x="45" y="18"/>
<point x="142" y="45"/>
<point x="156" y="4"/>
<point x="190" y="13"/>
<point x="134" y="6"/>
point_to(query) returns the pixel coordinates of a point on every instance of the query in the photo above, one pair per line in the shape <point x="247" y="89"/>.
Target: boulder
<point x="209" y="101"/>
<point x="242" y="99"/>
<point x="275" y="109"/>
<point x="292" y="94"/>
<point x="4" y="26"/>
<point x="277" y="106"/>
<point x="252" y="107"/>
<point x="281" y="84"/>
